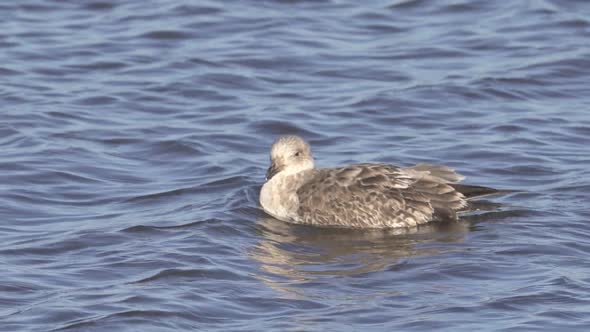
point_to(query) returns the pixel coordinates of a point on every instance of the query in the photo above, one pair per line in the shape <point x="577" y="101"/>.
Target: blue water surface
<point x="134" y="139"/>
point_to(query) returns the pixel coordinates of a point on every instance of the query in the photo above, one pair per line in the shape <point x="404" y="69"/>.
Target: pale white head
<point x="289" y="155"/>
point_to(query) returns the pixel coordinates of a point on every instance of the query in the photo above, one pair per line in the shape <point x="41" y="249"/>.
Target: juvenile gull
<point x="362" y="195"/>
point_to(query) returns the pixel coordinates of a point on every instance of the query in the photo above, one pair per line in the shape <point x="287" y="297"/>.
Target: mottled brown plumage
<point x="357" y="196"/>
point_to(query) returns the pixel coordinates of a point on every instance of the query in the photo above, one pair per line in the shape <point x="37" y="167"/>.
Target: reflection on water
<point x="303" y="253"/>
<point x="291" y="255"/>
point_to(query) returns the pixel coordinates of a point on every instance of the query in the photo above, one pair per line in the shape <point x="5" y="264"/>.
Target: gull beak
<point x="272" y="171"/>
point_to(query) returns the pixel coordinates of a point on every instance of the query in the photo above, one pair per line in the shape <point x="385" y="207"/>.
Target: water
<point x="134" y="140"/>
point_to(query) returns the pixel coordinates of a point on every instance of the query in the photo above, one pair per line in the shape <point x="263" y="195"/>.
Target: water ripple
<point x="134" y="141"/>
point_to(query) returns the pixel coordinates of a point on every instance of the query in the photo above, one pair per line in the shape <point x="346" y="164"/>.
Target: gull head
<point x="289" y="155"/>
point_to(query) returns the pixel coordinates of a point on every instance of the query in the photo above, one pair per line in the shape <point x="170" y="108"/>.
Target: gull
<point x="370" y="195"/>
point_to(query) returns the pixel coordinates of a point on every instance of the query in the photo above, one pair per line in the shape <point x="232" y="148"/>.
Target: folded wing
<point x="379" y="195"/>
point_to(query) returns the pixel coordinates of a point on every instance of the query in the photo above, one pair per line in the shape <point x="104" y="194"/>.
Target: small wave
<point x="146" y="228"/>
<point x="100" y="6"/>
<point x="8" y="72"/>
<point x="155" y="317"/>
<point x="193" y="274"/>
<point x="97" y="101"/>
<point x="166" y="35"/>
<point x="203" y="188"/>
<point x="101" y="65"/>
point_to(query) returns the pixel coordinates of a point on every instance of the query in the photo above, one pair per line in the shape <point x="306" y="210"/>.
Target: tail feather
<point x="476" y="191"/>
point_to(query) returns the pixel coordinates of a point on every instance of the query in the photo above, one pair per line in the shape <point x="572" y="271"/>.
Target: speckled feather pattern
<point x="376" y="196"/>
<point x="356" y="196"/>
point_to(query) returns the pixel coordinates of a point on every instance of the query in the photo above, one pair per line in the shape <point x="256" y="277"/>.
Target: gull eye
<point x="297" y="154"/>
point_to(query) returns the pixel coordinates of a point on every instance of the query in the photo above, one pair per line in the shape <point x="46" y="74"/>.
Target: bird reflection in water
<point x="292" y="254"/>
